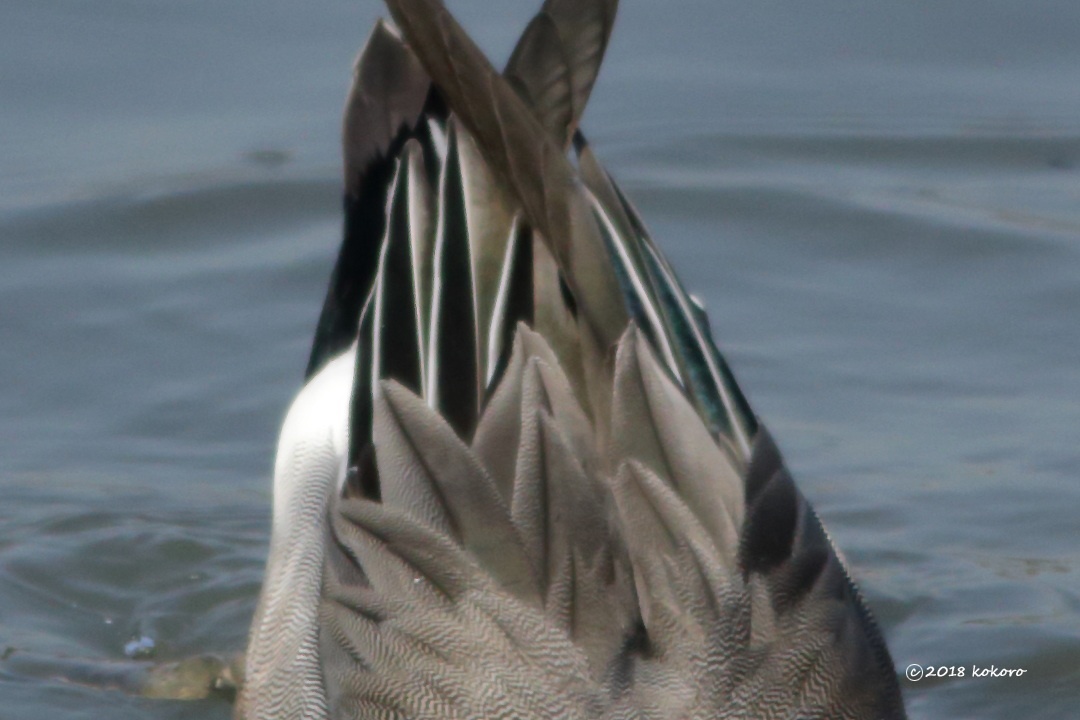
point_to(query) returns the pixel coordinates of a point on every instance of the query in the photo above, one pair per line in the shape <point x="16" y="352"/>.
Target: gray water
<point x="878" y="202"/>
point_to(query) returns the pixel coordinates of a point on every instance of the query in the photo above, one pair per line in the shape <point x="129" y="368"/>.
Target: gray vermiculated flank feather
<point x="532" y="487"/>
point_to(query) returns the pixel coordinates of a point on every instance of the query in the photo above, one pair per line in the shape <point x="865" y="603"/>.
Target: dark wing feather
<point x="556" y="61"/>
<point x="454" y="350"/>
<point x="398" y="339"/>
<point x="388" y="92"/>
<point x="785" y="550"/>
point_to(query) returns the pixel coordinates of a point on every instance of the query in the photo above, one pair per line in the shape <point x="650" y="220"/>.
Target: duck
<point x="520" y="480"/>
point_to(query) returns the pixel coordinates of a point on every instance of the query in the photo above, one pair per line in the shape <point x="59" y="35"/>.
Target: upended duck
<point x="520" y="480"/>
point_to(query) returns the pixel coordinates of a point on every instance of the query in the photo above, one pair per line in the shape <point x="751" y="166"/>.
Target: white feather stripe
<point x="500" y="308"/>
<point x="422" y="241"/>
<point x="641" y="289"/>
<point x="491" y="218"/>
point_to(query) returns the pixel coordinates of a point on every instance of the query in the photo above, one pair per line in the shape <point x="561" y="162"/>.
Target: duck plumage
<point x="521" y="481"/>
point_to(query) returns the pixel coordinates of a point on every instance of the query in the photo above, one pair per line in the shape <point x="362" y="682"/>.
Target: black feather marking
<point x="397" y="329"/>
<point x="784" y="540"/>
<point x="812" y="568"/>
<point x="765" y="461"/>
<point x="362" y="476"/>
<point x="794" y="580"/>
<point x="636" y="647"/>
<point x="454" y="355"/>
<point x="520" y="298"/>
<point x="357" y="262"/>
<point x="568" y="296"/>
<point x="435" y="114"/>
<point x="516" y="302"/>
<point x="383" y="108"/>
<point x="579" y="141"/>
<point x="770" y="525"/>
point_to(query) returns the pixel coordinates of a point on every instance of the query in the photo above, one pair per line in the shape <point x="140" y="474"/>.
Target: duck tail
<point x="561" y="448"/>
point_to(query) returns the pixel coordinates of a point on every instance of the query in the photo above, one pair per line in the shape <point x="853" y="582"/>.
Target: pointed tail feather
<point x="556" y="61"/>
<point x="523" y="153"/>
